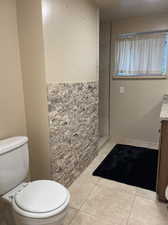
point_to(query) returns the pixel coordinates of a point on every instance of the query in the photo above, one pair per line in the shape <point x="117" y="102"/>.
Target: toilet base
<point x="54" y="220"/>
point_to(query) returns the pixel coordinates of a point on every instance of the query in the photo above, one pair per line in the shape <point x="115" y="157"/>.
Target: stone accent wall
<point x="73" y="120"/>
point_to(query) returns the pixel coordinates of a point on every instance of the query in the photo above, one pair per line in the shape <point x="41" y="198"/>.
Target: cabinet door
<point x="162" y="178"/>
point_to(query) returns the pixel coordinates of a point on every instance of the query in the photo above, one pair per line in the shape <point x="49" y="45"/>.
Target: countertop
<point x="164" y="108"/>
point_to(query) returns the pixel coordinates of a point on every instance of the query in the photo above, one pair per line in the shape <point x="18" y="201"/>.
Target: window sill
<point x="161" y="77"/>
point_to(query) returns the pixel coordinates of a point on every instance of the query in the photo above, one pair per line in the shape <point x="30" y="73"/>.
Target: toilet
<point x="43" y="202"/>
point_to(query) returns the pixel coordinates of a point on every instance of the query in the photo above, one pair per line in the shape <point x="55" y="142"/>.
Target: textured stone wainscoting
<point x="73" y="121"/>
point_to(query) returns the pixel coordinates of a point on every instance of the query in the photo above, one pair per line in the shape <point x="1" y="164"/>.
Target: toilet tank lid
<point x="9" y="144"/>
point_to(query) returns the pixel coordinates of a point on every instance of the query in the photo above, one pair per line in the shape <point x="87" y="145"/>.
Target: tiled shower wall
<point x="73" y="120"/>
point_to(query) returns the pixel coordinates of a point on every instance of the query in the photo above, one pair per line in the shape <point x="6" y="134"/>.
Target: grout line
<point x="132" y="206"/>
<point x="89" y="194"/>
<point x="79" y="209"/>
<point x="95" y="184"/>
<point x="76" y="214"/>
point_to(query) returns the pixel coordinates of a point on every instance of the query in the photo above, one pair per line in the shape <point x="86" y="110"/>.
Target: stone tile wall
<point x="73" y="120"/>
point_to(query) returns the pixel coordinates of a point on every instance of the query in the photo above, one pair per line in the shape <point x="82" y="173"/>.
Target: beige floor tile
<point x="80" y="191"/>
<point x="136" y="221"/>
<point x="146" y="193"/>
<point x="85" y="219"/>
<point x="148" y="212"/>
<point x="117" y="186"/>
<point x="71" y="215"/>
<point x="112" y="204"/>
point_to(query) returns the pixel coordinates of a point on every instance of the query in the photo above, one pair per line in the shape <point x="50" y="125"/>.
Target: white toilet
<point x="41" y="202"/>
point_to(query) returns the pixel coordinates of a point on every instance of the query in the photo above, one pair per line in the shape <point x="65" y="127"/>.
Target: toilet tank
<point x="14" y="162"/>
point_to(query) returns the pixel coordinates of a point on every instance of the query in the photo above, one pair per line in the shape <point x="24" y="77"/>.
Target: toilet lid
<point x="41" y="196"/>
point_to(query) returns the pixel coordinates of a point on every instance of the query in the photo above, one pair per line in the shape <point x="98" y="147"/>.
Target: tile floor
<point x="98" y="201"/>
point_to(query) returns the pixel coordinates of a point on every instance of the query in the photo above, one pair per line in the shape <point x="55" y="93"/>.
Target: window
<point x="141" y="55"/>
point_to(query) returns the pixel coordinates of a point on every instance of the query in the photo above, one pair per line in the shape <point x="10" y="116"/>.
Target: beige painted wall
<point x="135" y="114"/>
<point x="12" y="120"/>
<point x="71" y="31"/>
<point x="35" y="89"/>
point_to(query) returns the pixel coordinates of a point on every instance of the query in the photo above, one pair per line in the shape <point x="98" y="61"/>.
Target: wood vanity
<point x="162" y="176"/>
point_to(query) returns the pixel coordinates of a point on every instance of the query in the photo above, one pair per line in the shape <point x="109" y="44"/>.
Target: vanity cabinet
<point x="162" y="176"/>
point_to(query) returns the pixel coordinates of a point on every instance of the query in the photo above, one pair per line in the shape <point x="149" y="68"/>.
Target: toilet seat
<point x="41" y="199"/>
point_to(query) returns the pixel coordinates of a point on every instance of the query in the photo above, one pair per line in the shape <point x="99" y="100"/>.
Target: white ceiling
<point x="117" y="9"/>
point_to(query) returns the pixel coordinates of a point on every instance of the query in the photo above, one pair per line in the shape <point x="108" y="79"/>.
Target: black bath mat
<point x="130" y="165"/>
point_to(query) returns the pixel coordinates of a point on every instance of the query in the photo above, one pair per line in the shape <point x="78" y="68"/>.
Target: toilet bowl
<point x="39" y="202"/>
<point x="42" y="202"/>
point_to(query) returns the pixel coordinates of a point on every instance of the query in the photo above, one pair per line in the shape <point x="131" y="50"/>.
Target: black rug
<point x="130" y="165"/>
